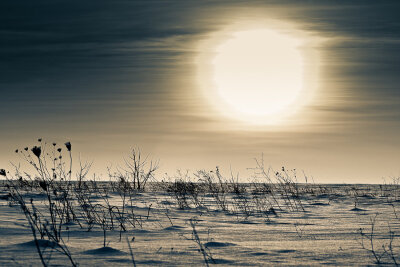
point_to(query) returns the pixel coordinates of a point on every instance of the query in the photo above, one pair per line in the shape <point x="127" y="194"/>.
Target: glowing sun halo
<point x="257" y="75"/>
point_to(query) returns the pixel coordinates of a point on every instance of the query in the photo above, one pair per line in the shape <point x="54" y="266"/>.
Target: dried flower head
<point x="3" y="172"/>
<point x="68" y="146"/>
<point x="59" y="150"/>
<point x="26" y="148"/>
<point x="54" y="144"/>
<point x="16" y="151"/>
<point x="36" y="150"/>
<point x="40" y="140"/>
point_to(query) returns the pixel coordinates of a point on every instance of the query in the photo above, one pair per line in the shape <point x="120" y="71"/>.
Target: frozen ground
<point x="327" y="232"/>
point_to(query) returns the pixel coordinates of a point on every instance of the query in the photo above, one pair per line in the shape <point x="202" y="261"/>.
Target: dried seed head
<point x="3" y="172"/>
<point x="68" y="146"/>
<point x="36" y="150"/>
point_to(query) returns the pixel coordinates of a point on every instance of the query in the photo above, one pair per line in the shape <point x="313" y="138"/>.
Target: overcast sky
<point x="112" y="75"/>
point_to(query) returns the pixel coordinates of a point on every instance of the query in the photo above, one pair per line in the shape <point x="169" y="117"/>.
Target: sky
<point x="110" y="76"/>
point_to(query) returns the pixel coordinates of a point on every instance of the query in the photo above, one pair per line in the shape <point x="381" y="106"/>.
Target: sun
<point x="258" y="72"/>
<point x="256" y="75"/>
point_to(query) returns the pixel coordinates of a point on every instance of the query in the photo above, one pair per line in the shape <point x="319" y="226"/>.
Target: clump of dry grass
<point x="269" y="193"/>
<point x="68" y="200"/>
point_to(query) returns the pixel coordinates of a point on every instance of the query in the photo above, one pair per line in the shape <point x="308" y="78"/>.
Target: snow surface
<point x="326" y="233"/>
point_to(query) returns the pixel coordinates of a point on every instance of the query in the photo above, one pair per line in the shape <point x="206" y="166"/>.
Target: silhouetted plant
<point x="140" y="170"/>
<point x="382" y="251"/>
